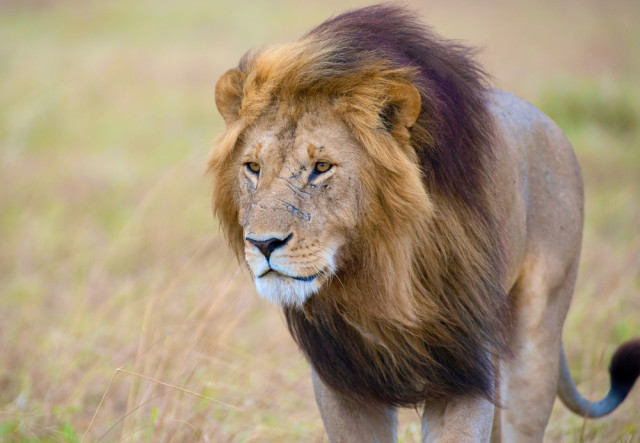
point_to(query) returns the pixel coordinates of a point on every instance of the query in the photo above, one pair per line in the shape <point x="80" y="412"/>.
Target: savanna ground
<point x="122" y="314"/>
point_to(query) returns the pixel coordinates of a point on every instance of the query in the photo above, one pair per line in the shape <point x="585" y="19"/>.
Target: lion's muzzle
<point x="287" y="271"/>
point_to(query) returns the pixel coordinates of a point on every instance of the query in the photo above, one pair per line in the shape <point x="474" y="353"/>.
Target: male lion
<point x="420" y="230"/>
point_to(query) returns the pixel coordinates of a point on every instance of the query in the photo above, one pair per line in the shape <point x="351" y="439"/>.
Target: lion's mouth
<point x="299" y="278"/>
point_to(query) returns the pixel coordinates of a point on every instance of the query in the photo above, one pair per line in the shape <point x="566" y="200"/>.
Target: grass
<point x="123" y="315"/>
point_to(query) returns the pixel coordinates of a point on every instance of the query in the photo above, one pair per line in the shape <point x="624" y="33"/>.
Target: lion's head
<point x="352" y="181"/>
<point x="313" y="165"/>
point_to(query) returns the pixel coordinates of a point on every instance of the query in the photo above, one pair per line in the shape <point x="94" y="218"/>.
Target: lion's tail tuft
<point x="624" y="370"/>
<point x="625" y="367"/>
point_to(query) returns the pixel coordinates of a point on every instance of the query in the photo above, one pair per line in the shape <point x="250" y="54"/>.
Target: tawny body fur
<point x="421" y="231"/>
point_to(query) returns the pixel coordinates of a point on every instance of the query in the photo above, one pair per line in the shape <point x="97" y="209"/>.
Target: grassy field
<point x="122" y="314"/>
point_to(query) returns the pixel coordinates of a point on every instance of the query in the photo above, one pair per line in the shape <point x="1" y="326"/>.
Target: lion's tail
<point x="624" y="370"/>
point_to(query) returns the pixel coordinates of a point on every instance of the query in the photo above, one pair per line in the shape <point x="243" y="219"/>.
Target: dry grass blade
<point x="178" y="388"/>
<point x="95" y="414"/>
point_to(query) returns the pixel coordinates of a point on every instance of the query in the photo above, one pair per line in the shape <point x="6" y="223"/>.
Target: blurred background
<point x="122" y="314"/>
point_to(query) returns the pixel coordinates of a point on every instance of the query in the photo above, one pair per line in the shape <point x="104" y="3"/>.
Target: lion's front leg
<point x="459" y="420"/>
<point x="348" y="421"/>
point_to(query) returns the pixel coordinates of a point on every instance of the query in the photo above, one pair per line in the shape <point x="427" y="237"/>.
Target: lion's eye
<point x="253" y="167"/>
<point x="321" y="167"/>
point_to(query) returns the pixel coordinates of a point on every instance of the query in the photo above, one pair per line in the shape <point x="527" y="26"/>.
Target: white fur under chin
<point x="285" y="291"/>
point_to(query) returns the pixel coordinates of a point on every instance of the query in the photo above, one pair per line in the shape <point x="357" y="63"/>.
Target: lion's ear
<point x="229" y="94"/>
<point x="403" y="108"/>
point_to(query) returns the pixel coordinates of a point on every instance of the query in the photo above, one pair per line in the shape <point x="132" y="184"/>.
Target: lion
<point x="420" y="230"/>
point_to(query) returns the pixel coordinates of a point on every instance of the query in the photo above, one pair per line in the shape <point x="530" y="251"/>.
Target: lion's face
<point x="309" y="163"/>
<point x="299" y="200"/>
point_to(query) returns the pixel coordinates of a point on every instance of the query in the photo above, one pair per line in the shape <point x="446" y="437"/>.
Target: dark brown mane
<point x="454" y="130"/>
<point x="419" y="309"/>
<point x="453" y="140"/>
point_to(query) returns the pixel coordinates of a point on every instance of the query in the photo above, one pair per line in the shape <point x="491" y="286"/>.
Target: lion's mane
<point x="418" y="310"/>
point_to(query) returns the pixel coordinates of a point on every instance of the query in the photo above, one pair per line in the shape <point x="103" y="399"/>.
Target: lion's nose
<point x="269" y="245"/>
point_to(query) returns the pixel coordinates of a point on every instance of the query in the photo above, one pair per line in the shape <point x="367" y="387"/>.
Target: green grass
<point x="576" y="106"/>
<point x="110" y="258"/>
